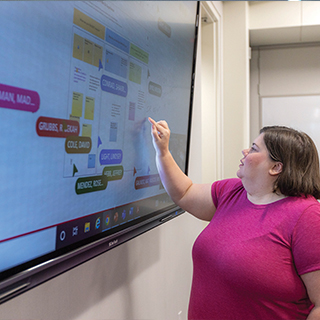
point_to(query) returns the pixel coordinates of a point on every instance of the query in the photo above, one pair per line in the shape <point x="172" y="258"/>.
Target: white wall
<point x="285" y="57"/>
<point x="282" y="71"/>
<point x="235" y="83"/>
<point x="209" y="117"/>
<point x="280" y="22"/>
<point x="148" y="277"/>
<point x="145" y="278"/>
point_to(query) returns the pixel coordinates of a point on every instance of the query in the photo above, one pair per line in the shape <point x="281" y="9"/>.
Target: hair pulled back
<point x="297" y="152"/>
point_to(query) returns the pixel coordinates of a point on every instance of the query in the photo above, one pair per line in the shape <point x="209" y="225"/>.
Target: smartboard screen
<point x="78" y="81"/>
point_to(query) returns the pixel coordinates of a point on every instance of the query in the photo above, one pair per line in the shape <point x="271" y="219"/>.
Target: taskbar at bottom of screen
<point x="110" y="220"/>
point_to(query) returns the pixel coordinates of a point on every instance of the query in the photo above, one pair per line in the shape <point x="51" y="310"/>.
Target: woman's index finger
<point x="161" y="126"/>
<point x="152" y="121"/>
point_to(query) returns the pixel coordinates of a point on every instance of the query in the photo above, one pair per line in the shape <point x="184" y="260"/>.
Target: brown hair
<point x="297" y="152"/>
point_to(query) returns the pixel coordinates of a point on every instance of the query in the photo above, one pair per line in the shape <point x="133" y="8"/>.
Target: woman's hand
<point x="194" y="198"/>
<point x="161" y="135"/>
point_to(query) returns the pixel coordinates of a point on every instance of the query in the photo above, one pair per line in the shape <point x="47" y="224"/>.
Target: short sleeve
<point x="222" y="188"/>
<point x="306" y="241"/>
<point x="215" y="192"/>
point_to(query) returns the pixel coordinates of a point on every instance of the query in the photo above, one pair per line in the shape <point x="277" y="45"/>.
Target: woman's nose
<point x="245" y="152"/>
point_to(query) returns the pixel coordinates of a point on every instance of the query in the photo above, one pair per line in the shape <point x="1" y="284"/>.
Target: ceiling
<point x="289" y="35"/>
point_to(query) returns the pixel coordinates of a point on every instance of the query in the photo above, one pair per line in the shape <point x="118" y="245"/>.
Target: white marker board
<point x="298" y="112"/>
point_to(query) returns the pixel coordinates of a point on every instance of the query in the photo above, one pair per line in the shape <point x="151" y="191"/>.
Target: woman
<point x="259" y="257"/>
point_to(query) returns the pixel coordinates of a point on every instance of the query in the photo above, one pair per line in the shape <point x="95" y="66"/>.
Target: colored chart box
<point x="116" y="64"/>
<point x="113" y="132"/>
<point x="87" y="23"/>
<point x="19" y="99"/>
<point x="86" y="130"/>
<point x="147" y="181"/>
<point x="88" y="51"/>
<point x="54" y="127"/>
<point x="91" y="184"/>
<point x="77" y="101"/>
<point x="113" y="172"/>
<point x="77" y="144"/>
<point x="132" y="111"/>
<point x="139" y="53"/>
<point x="97" y="54"/>
<point x="91" y="161"/>
<point x="117" y="41"/>
<point x="89" y="108"/>
<point x="114" y="86"/>
<point x="155" y="89"/>
<point x="110" y="156"/>
<point x="77" y="47"/>
<point x="135" y="73"/>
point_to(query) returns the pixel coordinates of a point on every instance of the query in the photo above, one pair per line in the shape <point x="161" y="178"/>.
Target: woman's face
<point x="256" y="162"/>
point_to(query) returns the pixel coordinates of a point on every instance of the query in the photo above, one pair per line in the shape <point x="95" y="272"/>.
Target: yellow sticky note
<point x="86" y="130"/>
<point x="89" y="108"/>
<point x="88" y="51"/>
<point x="97" y="55"/>
<point x="77" y="101"/>
<point x="135" y="73"/>
<point x="71" y="117"/>
<point x="77" y="47"/>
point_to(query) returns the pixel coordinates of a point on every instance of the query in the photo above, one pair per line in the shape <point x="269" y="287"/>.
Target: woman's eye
<point x="252" y="149"/>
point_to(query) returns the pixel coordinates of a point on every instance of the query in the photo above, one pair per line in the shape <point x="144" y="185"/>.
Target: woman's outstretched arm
<point x="194" y="198"/>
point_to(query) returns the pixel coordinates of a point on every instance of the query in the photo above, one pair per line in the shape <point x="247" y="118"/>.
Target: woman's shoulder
<point x="298" y="207"/>
<point x="227" y="184"/>
<point x="226" y="188"/>
<point x="305" y="203"/>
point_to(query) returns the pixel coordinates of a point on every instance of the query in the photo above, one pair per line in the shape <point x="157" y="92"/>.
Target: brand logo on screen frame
<point x="113" y="243"/>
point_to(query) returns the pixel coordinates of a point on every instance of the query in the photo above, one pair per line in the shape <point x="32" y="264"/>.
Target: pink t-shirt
<point x="248" y="259"/>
